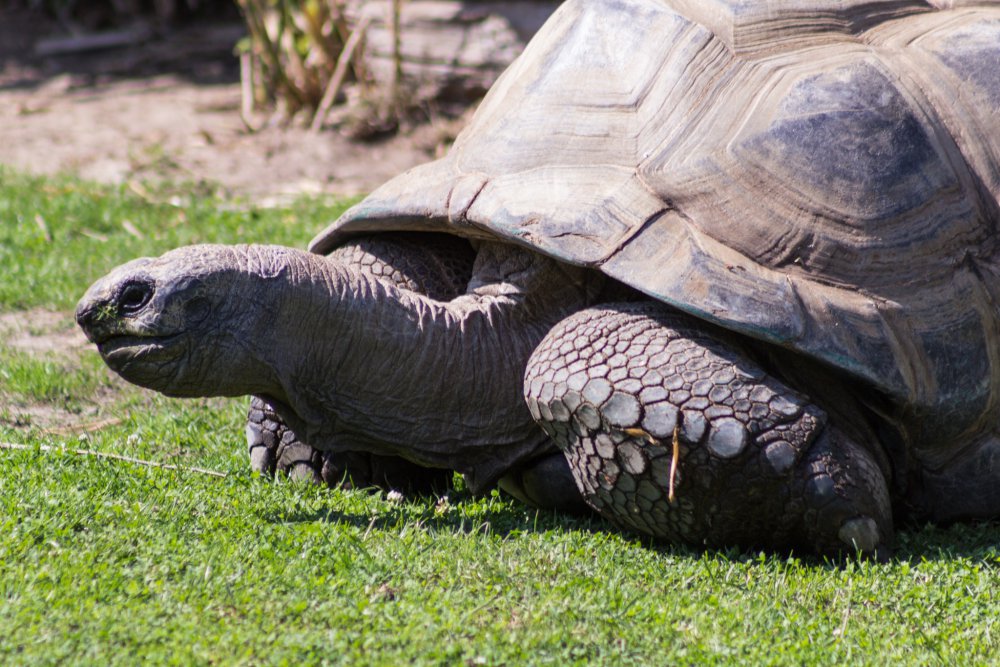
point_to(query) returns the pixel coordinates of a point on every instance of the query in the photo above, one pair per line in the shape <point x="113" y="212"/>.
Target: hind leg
<point x="673" y="432"/>
<point x="546" y="483"/>
<point x="966" y="487"/>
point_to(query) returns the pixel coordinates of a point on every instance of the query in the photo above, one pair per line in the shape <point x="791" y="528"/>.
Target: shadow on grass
<point x="974" y="542"/>
<point x="491" y="516"/>
<point x="978" y="542"/>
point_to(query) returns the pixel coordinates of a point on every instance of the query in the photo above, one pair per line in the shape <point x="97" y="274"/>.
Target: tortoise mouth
<point x="120" y="350"/>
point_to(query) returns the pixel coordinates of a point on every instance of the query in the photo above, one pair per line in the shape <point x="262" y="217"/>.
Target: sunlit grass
<point x="59" y="235"/>
<point x="112" y="562"/>
<point x="51" y="379"/>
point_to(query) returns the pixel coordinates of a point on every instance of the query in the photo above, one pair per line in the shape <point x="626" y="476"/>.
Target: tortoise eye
<point x="134" y="296"/>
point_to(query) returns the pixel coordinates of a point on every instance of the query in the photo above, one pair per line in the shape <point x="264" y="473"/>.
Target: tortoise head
<point x="172" y="323"/>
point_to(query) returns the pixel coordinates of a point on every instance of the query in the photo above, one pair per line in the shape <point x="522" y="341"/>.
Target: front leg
<point x="673" y="432"/>
<point x="274" y="447"/>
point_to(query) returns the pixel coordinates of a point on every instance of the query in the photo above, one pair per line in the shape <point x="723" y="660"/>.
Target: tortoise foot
<point x="846" y="504"/>
<point x="672" y="431"/>
<point x="274" y="448"/>
<point x="546" y="483"/>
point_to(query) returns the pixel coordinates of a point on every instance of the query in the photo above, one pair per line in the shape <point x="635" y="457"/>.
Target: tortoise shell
<point x="823" y="176"/>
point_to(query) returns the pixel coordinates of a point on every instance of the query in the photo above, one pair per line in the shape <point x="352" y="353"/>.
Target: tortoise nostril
<point x="133" y="296"/>
<point x="86" y="317"/>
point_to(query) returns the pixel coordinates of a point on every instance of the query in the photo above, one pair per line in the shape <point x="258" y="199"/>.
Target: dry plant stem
<point x="43" y="227"/>
<point x="247" y="92"/>
<point x="267" y="48"/>
<point x="330" y="96"/>
<point x="313" y="24"/>
<point x="100" y="238"/>
<point x="295" y="52"/>
<point x="397" y="57"/>
<point x="287" y="69"/>
<point x="673" y="462"/>
<point x="339" y="20"/>
<point x="640" y="433"/>
<point x="130" y="227"/>
<point x="301" y="77"/>
<point x="116" y="457"/>
<point x="343" y="29"/>
<point x="63" y="46"/>
<point x="87" y="427"/>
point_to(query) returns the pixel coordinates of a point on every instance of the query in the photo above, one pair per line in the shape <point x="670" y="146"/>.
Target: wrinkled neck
<point x="367" y="366"/>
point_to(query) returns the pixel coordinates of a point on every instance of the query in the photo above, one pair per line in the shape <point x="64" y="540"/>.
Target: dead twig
<point x="247" y="95"/>
<point x="94" y="235"/>
<point x="43" y="227"/>
<point x="140" y="190"/>
<point x="675" y="457"/>
<point x="86" y="427"/>
<point x="396" y="7"/>
<point x="116" y="457"/>
<point x="129" y="227"/>
<point x="339" y="72"/>
<point x="673" y="462"/>
<point x="61" y="46"/>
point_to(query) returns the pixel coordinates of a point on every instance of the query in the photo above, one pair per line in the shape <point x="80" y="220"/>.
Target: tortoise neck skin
<point x="351" y="361"/>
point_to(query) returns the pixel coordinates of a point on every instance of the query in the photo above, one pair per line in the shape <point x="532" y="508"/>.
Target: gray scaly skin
<point x="756" y="463"/>
<point x="439" y="267"/>
<point x="394" y="373"/>
<point x="274" y="447"/>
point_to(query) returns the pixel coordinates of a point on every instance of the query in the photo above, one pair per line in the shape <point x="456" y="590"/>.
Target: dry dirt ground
<point x="41" y="331"/>
<point x="52" y="336"/>
<point x="168" y="109"/>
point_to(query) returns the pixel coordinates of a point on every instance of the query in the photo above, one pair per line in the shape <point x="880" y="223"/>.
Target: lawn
<point x="106" y="561"/>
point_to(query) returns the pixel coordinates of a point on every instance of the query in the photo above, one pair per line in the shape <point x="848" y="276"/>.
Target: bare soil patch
<point x="168" y="110"/>
<point x="42" y="332"/>
<point x="169" y="129"/>
<point x="53" y="419"/>
<point x="47" y="334"/>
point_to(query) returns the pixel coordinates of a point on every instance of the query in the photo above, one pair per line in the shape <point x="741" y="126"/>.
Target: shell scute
<point x="846" y="139"/>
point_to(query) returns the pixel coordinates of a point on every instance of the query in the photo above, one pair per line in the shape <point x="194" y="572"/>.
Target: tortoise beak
<point x="96" y="313"/>
<point x="87" y="318"/>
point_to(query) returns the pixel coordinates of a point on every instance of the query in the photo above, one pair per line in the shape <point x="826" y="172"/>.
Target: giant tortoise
<point x="731" y="279"/>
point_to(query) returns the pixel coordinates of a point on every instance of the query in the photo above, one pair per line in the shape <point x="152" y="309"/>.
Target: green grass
<point x="109" y="562"/>
<point x="59" y="235"/>
<point x="49" y="379"/>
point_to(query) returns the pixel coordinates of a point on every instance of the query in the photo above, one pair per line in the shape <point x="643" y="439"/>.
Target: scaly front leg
<point x="274" y="447"/>
<point x="673" y="432"/>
